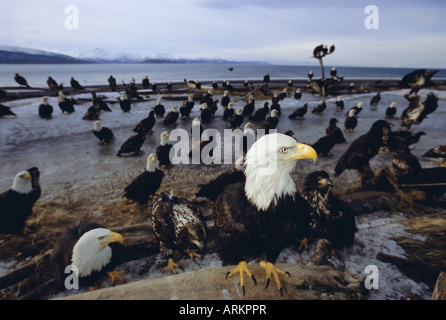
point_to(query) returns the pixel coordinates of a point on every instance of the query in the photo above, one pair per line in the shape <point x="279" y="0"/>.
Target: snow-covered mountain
<point x="14" y="54"/>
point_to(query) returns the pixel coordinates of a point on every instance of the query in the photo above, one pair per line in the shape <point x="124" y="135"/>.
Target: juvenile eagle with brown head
<point x="178" y="225"/>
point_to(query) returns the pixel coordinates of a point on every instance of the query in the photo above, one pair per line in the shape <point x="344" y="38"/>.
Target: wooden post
<point x="323" y="77"/>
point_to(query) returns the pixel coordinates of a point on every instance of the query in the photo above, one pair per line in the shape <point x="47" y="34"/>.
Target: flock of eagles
<point x="257" y="214"/>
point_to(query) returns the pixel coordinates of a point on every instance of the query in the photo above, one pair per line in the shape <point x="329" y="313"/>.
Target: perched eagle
<point x="45" y="109"/>
<point x="159" y="108"/>
<point x="334" y="131"/>
<point x="417" y="79"/>
<point x="125" y="103"/>
<point x="402" y="139"/>
<point x="324" y="145"/>
<point x="237" y="119"/>
<point x="299" y="112"/>
<point x="6" y="112"/>
<point x="228" y="113"/>
<point x="437" y="152"/>
<point x="391" y="110"/>
<point x="178" y="225"/>
<point x="331" y="218"/>
<point x="134" y="143"/>
<point x="171" y="117"/>
<point x="21" y="80"/>
<point x="91" y="248"/>
<point x="320" y="108"/>
<point x="351" y="121"/>
<point x="264" y="213"/>
<point x="146" y="183"/>
<point x="147" y="123"/>
<point x="163" y="150"/>
<point x="418" y="110"/>
<point x="260" y="113"/>
<point x="104" y="134"/>
<point x="16" y="203"/>
<point x="375" y="100"/>
<point x="361" y="150"/>
<point x="65" y="104"/>
<point x="75" y="84"/>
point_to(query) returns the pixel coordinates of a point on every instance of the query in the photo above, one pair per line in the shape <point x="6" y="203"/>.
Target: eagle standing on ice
<point x="178" y="225"/>
<point x="265" y="213"/>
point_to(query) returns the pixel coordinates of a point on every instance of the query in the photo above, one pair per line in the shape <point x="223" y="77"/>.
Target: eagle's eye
<point x="284" y="150"/>
<point x="101" y="238"/>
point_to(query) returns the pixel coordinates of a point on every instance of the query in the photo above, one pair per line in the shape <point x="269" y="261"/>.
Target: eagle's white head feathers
<point x="91" y="252"/>
<point x="269" y="163"/>
<point x="22" y="182"/>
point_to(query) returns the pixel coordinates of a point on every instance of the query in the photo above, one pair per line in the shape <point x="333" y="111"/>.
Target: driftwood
<point x="305" y="282"/>
<point x="24" y="271"/>
<point x="440" y="288"/>
<point x="417" y="270"/>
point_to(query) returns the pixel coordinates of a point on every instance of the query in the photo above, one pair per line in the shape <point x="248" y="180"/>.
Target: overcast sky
<point x="411" y="33"/>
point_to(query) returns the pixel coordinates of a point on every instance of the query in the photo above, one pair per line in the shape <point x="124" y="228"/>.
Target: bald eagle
<point x="65" y="104"/>
<point x="437" y="152"/>
<point x="361" y="150"/>
<point x="375" y="100"/>
<point x="172" y="117"/>
<point x="417" y="79"/>
<point x="299" y="112"/>
<point x="228" y="113"/>
<point x="237" y="119"/>
<point x="178" y="225"/>
<point x="146" y="183"/>
<point x="21" y="80"/>
<point x="104" y="134"/>
<point x="159" y="108"/>
<point x="320" y="108"/>
<point x="91" y="248"/>
<point x="147" y="123"/>
<point x="264" y="213"/>
<point x="391" y="110"/>
<point x="125" y="103"/>
<point x="163" y="150"/>
<point x="260" y="113"/>
<point x="334" y="131"/>
<point x="45" y="109"/>
<point x="6" y="112"/>
<point x="16" y="203"/>
<point x="351" y="121"/>
<point x="75" y="84"/>
<point x="133" y="144"/>
<point x="331" y="218"/>
<point x="417" y="110"/>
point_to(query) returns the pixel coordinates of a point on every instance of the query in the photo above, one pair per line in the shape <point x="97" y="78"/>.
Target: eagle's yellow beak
<point x="27" y="176"/>
<point x="303" y="152"/>
<point x="153" y="159"/>
<point x="115" y="237"/>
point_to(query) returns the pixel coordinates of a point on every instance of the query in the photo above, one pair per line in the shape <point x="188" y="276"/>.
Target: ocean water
<point x="97" y="74"/>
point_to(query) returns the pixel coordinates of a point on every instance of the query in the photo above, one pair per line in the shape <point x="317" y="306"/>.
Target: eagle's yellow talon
<point x="272" y="270"/>
<point x="192" y="253"/>
<point x="116" y="275"/>
<point x="171" y="265"/>
<point x="303" y="244"/>
<point x="242" y="268"/>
